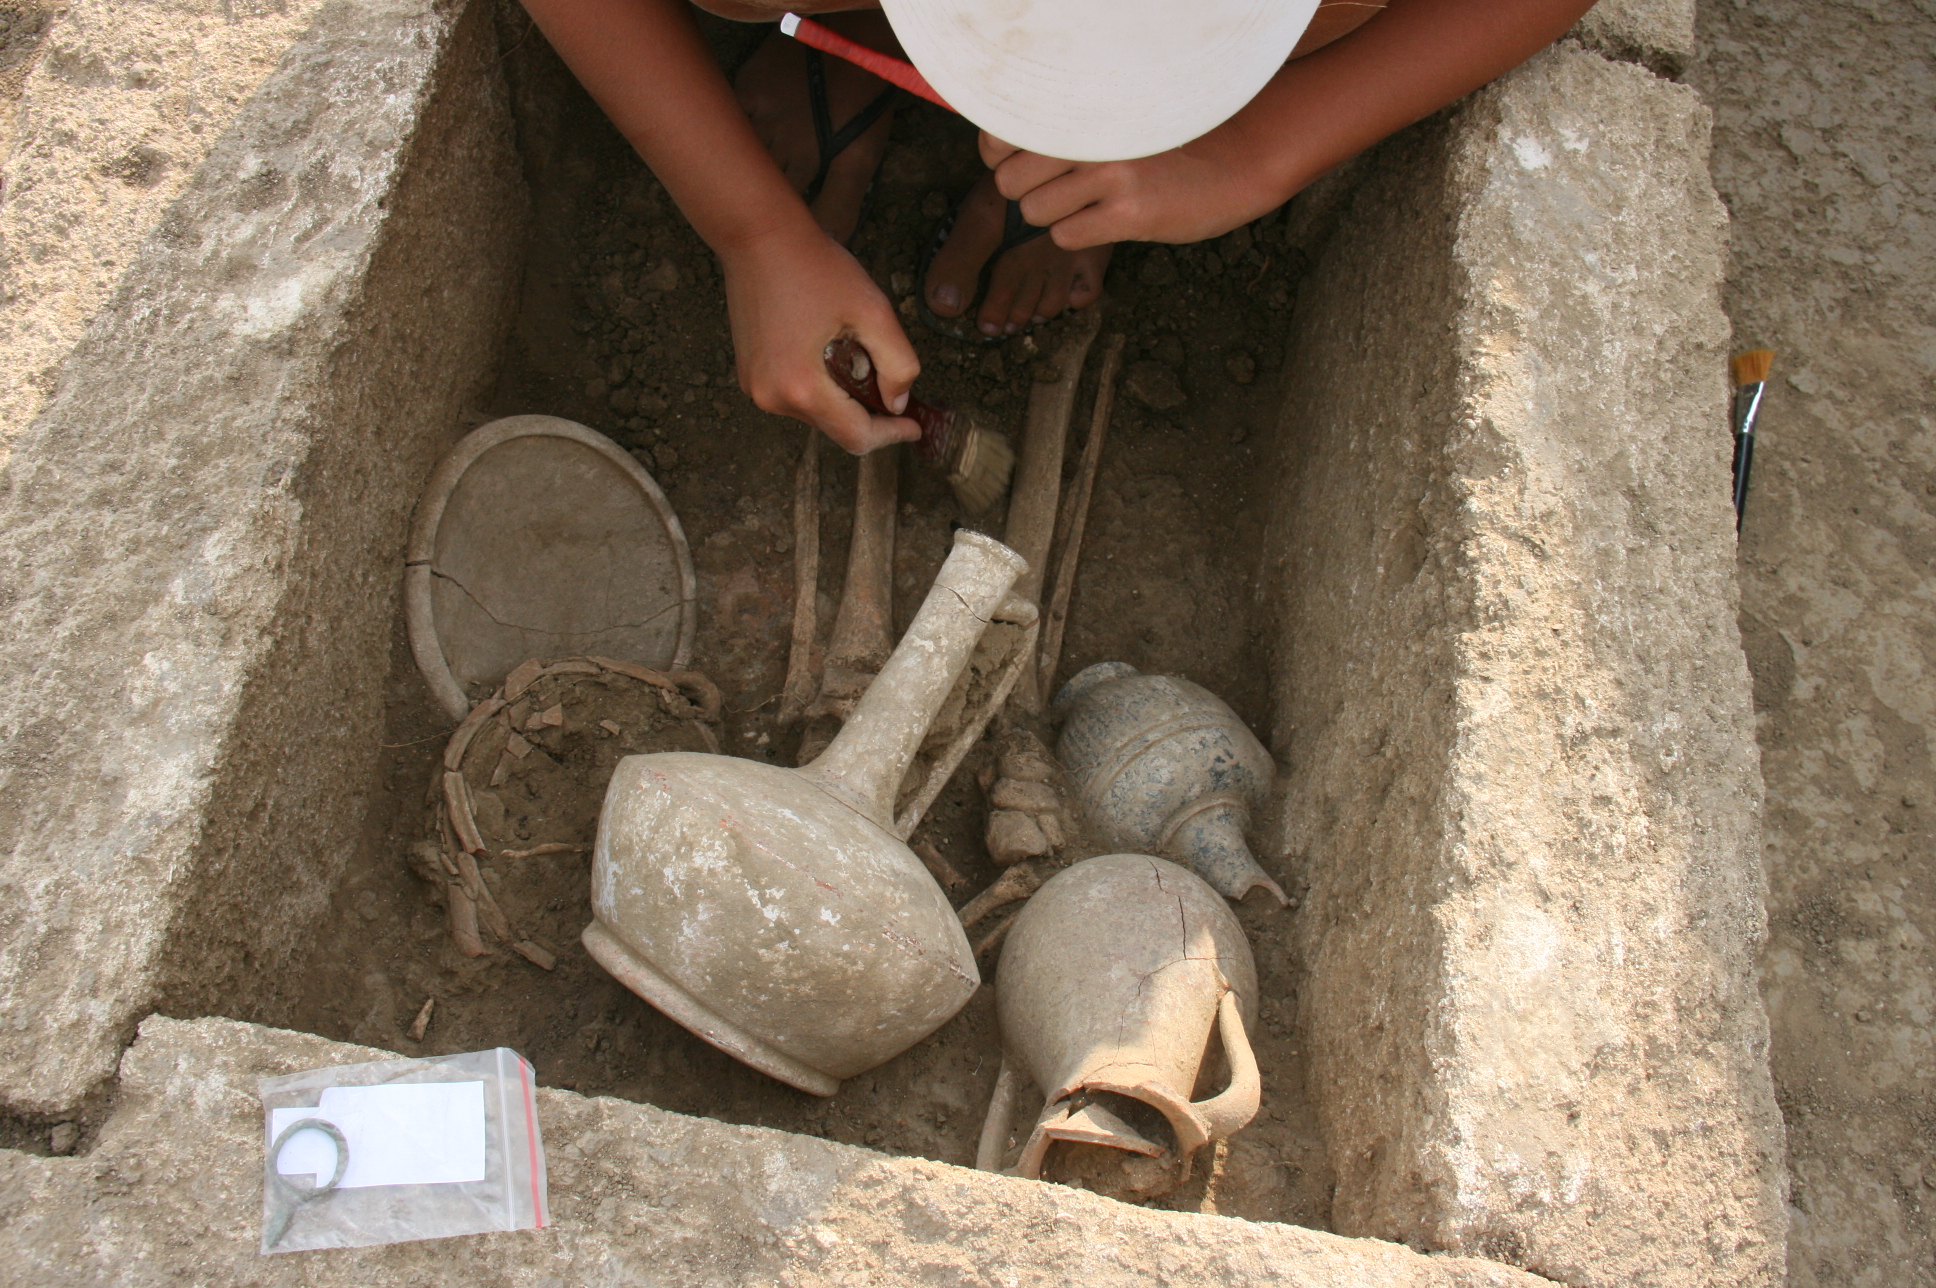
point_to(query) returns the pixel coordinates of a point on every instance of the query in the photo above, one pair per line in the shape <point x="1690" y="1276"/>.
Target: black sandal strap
<point x="1016" y="231"/>
<point x="830" y="141"/>
<point x="864" y="119"/>
<point x="823" y="116"/>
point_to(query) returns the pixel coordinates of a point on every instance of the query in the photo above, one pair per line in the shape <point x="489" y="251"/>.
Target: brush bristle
<point x="1751" y="368"/>
<point x="984" y="465"/>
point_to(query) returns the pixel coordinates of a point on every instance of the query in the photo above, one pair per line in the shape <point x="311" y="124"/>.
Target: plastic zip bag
<point x="396" y="1150"/>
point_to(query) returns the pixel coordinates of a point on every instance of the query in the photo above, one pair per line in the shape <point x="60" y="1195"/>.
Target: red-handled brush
<point x="977" y="460"/>
<point x="893" y="70"/>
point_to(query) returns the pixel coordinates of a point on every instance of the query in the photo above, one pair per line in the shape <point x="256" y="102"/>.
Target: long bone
<point x="1033" y="504"/>
<point x="862" y="635"/>
<point x="1075" y="518"/>
<point x="1018" y="882"/>
<point x="800" y="683"/>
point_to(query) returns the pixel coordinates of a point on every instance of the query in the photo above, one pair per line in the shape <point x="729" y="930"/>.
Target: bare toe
<point x="1030" y="283"/>
<point x="1086" y="283"/>
<point x="995" y="305"/>
<point x="1055" y="297"/>
<point x="1027" y="301"/>
<point x="956" y="269"/>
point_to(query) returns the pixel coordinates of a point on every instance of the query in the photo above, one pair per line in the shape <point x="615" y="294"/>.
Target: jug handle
<point x="1016" y="611"/>
<point x="1228" y="1110"/>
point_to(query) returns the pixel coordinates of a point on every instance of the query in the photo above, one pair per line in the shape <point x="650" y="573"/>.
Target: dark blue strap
<point x="830" y="141"/>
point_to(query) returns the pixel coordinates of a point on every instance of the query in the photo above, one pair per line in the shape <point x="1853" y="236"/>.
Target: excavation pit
<point x="1440" y="513"/>
<point x="624" y="329"/>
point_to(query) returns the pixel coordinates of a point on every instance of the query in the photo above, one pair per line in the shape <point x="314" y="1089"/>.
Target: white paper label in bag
<point x="408" y="1133"/>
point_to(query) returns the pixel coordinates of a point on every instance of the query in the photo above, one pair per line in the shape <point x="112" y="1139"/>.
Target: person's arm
<point x="1404" y="64"/>
<point x="790" y="288"/>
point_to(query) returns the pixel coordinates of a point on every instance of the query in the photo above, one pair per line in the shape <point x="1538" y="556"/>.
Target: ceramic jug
<point x="1112" y="979"/>
<point x="778" y="913"/>
<point x="1163" y="766"/>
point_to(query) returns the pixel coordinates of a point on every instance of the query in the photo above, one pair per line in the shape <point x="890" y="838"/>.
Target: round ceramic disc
<point x="539" y="538"/>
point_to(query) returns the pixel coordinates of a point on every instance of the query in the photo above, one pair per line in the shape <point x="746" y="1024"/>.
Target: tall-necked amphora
<point x="778" y="913"/>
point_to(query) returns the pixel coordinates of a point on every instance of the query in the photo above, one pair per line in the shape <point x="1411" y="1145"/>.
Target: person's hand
<point x="789" y="292"/>
<point x="1203" y="189"/>
<point x="1371" y="77"/>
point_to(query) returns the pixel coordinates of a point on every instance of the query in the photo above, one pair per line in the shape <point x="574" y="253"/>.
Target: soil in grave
<point x="623" y="327"/>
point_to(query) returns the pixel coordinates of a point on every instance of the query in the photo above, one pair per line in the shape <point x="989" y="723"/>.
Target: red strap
<point x="531" y="1135"/>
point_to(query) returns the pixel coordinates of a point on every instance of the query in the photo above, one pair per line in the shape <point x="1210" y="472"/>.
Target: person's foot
<point x="772" y="88"/>
<point x="1029" y="284"/>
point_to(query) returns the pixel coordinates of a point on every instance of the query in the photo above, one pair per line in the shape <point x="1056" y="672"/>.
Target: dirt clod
<point x="1155" y="386"/>
<point x="1013" y="794"/>
<point x="1014" y="836"/>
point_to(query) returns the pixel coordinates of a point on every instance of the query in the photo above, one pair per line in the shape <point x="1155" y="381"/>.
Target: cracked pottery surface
<point x="778" y="913"/>
<point x="1114" y="978"/>
<point x="539" y="538"/>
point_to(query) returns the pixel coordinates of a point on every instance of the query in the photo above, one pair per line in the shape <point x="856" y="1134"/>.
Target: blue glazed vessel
<point x="1165" y="767"/>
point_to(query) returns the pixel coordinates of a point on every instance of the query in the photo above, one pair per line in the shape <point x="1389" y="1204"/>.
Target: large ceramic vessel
<point x="1113" y="979"/>
<point x="1165" y="767"/>
<point x="778" y="913"/>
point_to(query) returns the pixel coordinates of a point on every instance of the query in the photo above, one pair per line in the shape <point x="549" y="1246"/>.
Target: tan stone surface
<point x="204" y="529"/>
<point x="170" y="1192"/>
<point x="1522" y="787"/>
<point x="23" y="24"/>
<point x="124" y="100"/>
<point x="1656" y="33"/>
<point x="1825" y="151"/>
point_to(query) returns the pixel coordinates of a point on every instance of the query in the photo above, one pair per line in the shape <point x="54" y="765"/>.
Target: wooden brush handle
<point x="852" y="368"/>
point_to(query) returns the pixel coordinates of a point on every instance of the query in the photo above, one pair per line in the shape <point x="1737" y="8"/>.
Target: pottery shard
<point x="520" y="679"/>
<point x="1035" y="798"/>
<point x="536" y="954"/>
<point x="421" y="1025"/>
<point x="1014" y="836"/>
<point x="487" y="808"/>
<point x="1155" y="386"/>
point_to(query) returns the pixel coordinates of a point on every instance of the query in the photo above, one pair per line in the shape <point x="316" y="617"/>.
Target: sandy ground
<point x="1825" y="151"/>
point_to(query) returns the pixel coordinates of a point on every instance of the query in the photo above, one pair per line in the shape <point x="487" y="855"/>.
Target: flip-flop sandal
<point x="833" y="142"/>
<point x="1016" y="231"/>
